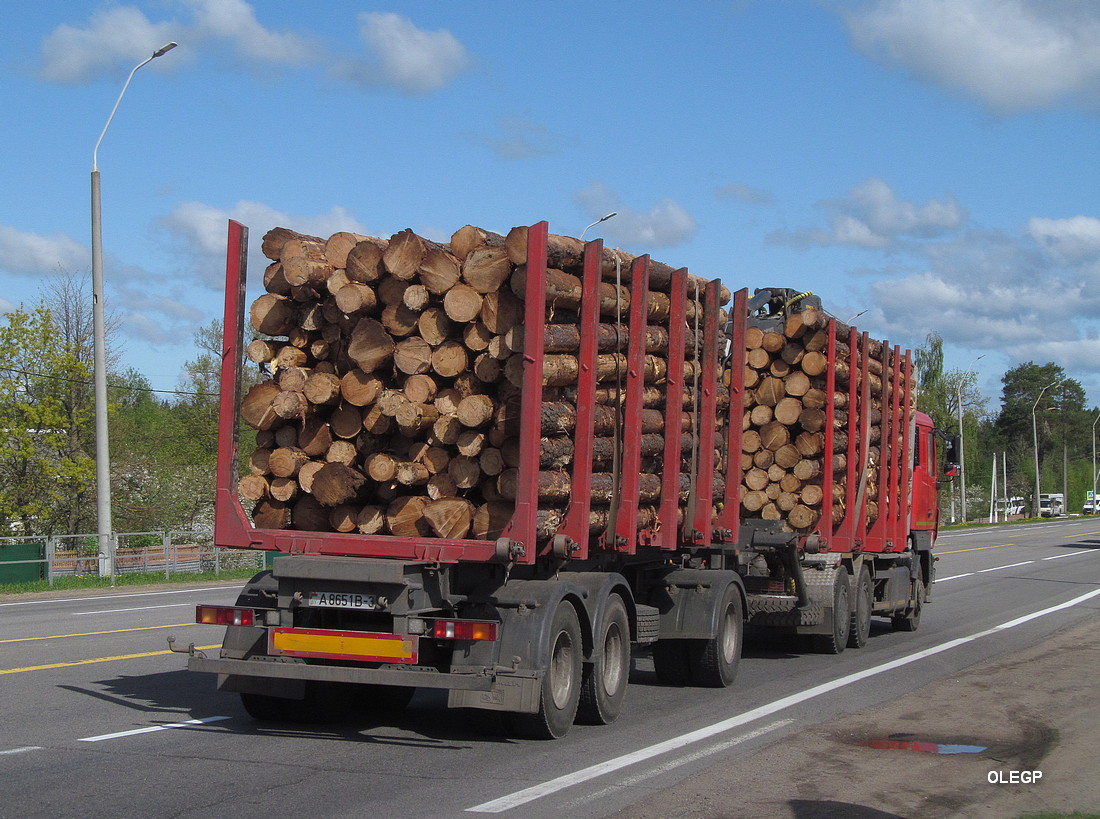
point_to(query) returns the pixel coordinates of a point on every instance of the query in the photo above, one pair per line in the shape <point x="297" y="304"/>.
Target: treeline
<point x="1042" y="412"/>
<point x="163" y="444"/>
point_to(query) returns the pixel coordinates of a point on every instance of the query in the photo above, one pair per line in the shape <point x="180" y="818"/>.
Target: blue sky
<point x="935" y="163"/>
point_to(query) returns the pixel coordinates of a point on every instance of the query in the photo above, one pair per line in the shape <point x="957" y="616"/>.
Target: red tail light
<point x="224" y="616"/>
<point x="464" y="630"/>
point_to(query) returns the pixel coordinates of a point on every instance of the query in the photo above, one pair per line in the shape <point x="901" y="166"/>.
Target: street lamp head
<point x="164" y="49"/>
<point x="601" y="219"/>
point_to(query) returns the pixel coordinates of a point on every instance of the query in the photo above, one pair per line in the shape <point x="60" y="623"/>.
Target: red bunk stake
<point x="625" y="530"/>
<point x="230" y="522"/>
<point x="853" y="471"/>
<point x="667" y="536"/>
<point x="522" y="528"/>
<point x="907" y="452"/>
<point x="730" y="518"/>
<point x="825" y="526"/>
<point x="703" y="513"/>
<point x="575" y="525"/>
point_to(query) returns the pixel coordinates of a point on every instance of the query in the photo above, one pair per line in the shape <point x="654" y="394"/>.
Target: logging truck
<point x="497" y="466"/>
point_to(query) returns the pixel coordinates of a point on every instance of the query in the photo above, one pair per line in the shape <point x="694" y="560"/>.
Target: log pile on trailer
<point x="397" y="376"/>
<point x="821" y="405"/>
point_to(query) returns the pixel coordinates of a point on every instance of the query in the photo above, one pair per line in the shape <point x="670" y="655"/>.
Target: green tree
<point x="1038" y="402"/>
<point x="932" y="394"/>
<point x="47" y="472"/>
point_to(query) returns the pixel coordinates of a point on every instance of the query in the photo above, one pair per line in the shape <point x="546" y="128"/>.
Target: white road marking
<point x="22" y="750"/>
<point x="113" y="596"/>
<point x="1071" y="554"/>
<point x="152" y="729"/>
<point x="542" y="789"/>
<point x="1009" y="566"/>
<point x="953" y="577"/>
<point x="136" y="608"/>
<point x="644" y="776"/>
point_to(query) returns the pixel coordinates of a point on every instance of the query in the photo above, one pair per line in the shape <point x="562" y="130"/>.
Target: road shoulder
<point x="1033" y="710"/>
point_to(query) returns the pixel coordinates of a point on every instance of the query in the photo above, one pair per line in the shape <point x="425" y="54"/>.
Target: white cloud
<point x="665" y="224"/>
<point x="124" y="35"/>
<point x="1073" y="240"/>
<point x="236" y="21"/>
<point x="1011" y="54"/>
<point x="6" y="306"/>
<point x="30" y="254"/>
<point x="201" y="229"/>
<point x="872" y="216"/>
<point x="409" y="59"/>
<point x="73" y="55"/>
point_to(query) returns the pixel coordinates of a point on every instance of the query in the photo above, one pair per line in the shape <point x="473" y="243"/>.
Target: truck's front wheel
<point x="835" y="642"/>
<point x="560" y="692"/>
<point x="714" y="661"/>
<point x="910" y="620"/>
<point x="860" y="629"/>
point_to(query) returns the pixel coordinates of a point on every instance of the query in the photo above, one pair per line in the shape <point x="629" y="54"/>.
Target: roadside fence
<point x="24" y="559"/>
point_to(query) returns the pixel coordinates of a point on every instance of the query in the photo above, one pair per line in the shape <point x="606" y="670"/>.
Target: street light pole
<point x="962" y="447"/>
<point x="1035" y="439"/>
<point x="1094" y="464"/>
<point x="102" y="442"/>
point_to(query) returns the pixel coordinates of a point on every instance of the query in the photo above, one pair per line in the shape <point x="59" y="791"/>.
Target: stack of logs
<point x="787" y="409"/>
<point x="396" y="372"/>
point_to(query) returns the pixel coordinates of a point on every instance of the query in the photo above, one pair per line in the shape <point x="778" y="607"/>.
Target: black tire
<point x="714" y="662"/>
<point x="842" y="616"/>
<point x="323" y="702"/>
<point x="860" y="628"/>
<point x="382" y="699"/>
<point x="604" y="682"/>
<point x="264" y="708"/>
<point x="561" y="684"/>
<point x="672" y="663"/>
<point x="910" y="620"/>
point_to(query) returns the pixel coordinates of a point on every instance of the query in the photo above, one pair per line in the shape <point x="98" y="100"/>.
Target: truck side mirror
<point x="951" y="457"/>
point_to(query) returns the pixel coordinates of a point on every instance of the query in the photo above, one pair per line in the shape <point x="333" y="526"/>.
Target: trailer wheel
<point x="842" y="616"/>
<point x="265" y="708"/>
<point x="603" y="686"/>
<point x="860" y="628"/>
<point x="561" y="684"/>
<point x="672" y="663"/>
<point x="322" y="703"/>
<point x="714" y="662"/>
<point x="910" y="620"/>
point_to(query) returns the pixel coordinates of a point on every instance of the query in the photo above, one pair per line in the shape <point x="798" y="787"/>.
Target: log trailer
<point x="792" y="489"/>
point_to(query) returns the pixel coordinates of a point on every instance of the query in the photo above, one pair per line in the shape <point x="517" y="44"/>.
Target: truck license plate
<point x="343" y="600"/>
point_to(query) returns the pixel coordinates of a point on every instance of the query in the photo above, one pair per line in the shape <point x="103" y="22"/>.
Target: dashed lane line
<point x="113" y="596"/>
<point x="153" y="728"/>
<point x="95" y="660"/>
<point x="94" y="633"/>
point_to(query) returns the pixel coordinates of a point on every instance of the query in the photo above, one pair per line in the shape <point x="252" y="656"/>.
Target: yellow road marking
<point x="96" y="660"/>
<point x="94" y="633"/>
<point x="975" y="549"/>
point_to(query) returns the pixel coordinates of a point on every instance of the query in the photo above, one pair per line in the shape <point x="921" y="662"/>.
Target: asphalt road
<point x="98" y="719"/>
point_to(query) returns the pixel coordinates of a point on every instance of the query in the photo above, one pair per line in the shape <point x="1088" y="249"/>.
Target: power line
<point x="112" y="386"/>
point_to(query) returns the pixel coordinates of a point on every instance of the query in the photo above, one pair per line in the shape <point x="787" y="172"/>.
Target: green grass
<point x="136" y="579"/>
